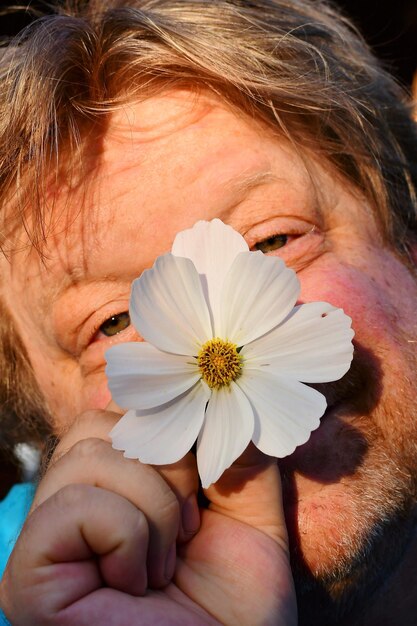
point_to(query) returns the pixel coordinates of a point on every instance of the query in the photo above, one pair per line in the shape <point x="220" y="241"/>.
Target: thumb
<point x="250" y="492"/>
<point x="112" y="406"/>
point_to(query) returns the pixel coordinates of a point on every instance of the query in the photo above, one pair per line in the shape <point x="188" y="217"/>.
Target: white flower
<point x="224" y="353"/>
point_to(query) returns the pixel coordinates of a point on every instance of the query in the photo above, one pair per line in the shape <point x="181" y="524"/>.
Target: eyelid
<point x="306" y="241"/>
<point x="98" y="331"/>
<point x="292" y="227"/>
<point x="92" y="324"/>
<point x="96" y="327"/>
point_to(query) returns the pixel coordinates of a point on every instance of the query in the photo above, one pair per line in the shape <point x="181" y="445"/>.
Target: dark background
<point x="390" y="26"/>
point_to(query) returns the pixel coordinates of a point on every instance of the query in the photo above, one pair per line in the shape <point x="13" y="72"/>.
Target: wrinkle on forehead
<point x="72" y="166"/>
<point x="125" y="129"/>
<point x="79" y="205"/>
<point x="59" y="259"/>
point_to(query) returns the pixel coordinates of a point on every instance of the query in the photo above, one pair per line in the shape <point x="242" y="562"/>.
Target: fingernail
<point x="190" y="515"/>
<point x="171" y="562"/>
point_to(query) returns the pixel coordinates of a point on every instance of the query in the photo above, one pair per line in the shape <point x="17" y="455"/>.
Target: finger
<point x="183" y="480"/>
<point x="94" y="462"/>
<point x="244" y="531"/>
<point x="61" y="565"/>
<point x="250" y="492"/>
<point x="182" y="477"/>
<point x="114" y="408"/>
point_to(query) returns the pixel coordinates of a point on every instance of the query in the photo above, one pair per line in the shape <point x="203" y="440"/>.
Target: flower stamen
<point x="219" y="362"/>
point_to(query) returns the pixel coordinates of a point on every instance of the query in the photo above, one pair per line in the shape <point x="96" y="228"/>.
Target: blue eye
<point x="115" y="324"/>
<point x="272" y="243"/>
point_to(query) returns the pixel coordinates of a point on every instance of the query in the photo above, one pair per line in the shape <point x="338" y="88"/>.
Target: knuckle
<point x="169" y="511"/>
<point x="162" y="503"/>
<point x="72" y="496"/>
<point x="139" y="524"/>
<point x="89" y="448"/>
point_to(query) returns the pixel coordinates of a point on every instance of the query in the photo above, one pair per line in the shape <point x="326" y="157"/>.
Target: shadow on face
<point x="351" y="452"/>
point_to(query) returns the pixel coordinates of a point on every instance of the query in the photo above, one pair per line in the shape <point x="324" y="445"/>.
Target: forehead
<point x="153" y="166"/>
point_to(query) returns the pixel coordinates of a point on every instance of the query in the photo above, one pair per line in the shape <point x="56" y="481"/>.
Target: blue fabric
<point x="3" y="620"/>
<point x="13" y="512"/>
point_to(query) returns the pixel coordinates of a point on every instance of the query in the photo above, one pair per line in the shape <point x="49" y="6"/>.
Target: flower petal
<point x="227" y="430"/>
<point x="285" y="411"/>
<point x="314" y="345"/>
<point x="258" y="293"/>
<point x="141" y="376"/>
<point x="168" y="308"/>
<point x="165" y="434"/>
<point x="212" y="247"/>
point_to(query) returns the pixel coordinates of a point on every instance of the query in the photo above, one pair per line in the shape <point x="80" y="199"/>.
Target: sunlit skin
<point x="162" y="165"/>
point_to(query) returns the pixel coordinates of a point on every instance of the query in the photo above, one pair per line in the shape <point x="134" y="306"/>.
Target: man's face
<point x="161" y="166"/>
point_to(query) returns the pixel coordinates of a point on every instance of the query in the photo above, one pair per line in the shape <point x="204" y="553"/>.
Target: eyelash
<point x="266" y="245"/>
<point x="261" y="239"/>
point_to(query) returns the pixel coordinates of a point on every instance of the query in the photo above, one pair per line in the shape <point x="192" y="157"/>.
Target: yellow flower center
<point x="219" y="362"/>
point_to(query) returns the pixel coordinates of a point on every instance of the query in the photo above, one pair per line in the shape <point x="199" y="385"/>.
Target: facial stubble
<point x="380" y="494"/>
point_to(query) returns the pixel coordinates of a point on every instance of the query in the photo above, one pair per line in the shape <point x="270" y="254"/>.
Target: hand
<point x="112" y="541"/>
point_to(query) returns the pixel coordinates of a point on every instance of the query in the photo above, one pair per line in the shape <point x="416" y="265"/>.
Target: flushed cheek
<point x="96" y="394"/>
<point x="328" y="515"/>
<point x="370" y="304"/>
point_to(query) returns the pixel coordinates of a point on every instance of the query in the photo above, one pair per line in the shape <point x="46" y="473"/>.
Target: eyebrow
<point x="242" y="185"/>
<point x="246" y="182"/>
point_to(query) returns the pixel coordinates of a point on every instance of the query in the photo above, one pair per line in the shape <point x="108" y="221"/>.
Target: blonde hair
<point x="296" y="64"/>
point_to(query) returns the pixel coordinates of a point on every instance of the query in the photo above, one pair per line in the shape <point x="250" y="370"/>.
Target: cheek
<point x="68" y="392"/>
<point x="379" y="302"/>
<point x="93" y="379"/>
<point x="96" y="394"/>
